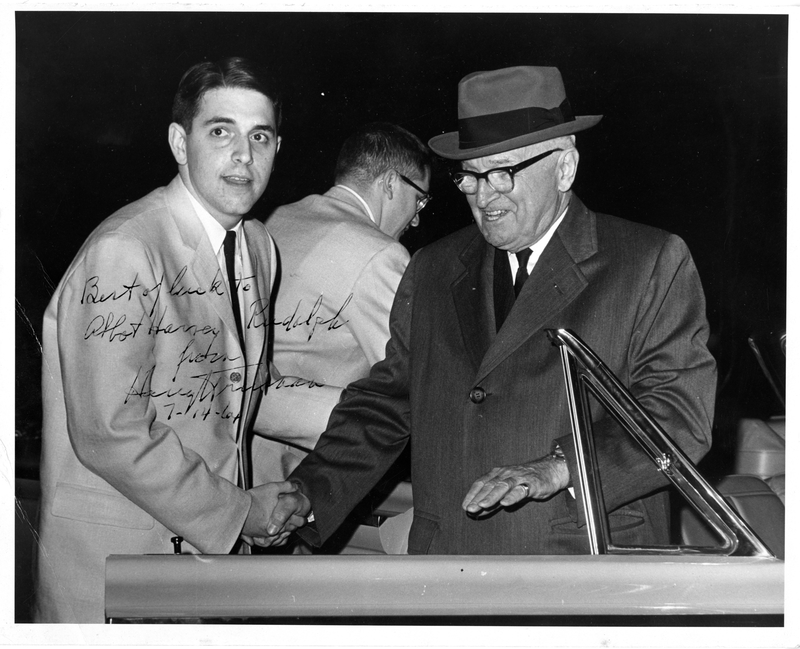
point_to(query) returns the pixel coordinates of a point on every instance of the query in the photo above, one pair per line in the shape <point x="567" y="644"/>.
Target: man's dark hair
<point x="231" y="72"/>
<point x="377" y="147"/>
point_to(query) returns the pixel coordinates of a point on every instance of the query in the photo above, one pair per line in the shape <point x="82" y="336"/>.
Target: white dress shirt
<point x="536" y="248"/>
<point x="216" y="236"/>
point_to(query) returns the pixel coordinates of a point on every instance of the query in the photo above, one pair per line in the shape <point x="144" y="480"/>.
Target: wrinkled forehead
<point x="504" y="159"/>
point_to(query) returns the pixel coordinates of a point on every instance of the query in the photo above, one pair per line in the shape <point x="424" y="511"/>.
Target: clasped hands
<point x="279" y="508"/>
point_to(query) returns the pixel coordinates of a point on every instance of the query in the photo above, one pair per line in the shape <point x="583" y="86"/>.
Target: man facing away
<point x="154" y="355"/>
<point x="470" y="378"/>
<point x="340" y="264"/>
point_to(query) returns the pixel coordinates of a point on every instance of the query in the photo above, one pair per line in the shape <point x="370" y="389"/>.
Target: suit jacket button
<point x="236" y="377"/>
<point x="477" y="395"/>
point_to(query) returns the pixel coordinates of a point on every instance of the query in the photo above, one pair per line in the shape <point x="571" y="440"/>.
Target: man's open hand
<point x="504" y="486"/>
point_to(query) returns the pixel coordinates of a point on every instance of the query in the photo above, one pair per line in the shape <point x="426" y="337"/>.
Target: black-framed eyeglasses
<point x="501" y="178"/>
<point x="423" y="200"/>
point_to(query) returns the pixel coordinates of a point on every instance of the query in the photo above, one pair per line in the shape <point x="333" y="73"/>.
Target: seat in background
<point x="756" y="503"/>
<point x="761" y="451"/>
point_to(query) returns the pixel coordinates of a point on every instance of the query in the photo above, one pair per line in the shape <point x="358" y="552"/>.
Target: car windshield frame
<point x="585" y="374"/>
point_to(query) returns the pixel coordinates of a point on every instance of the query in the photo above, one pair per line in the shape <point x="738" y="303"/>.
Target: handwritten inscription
<point x="190" y="354"/>
<point x="113" y="327"/>
<point x="207" y="394"/>
<point x="177" y="287"/>
<point x="259" y="314"/>
<point x="119" y="327"/>
<point x="92" y="294"/>
<point x="293" y="382"/>
<point x="196" y="375"/>
<point x="313" y="320"/>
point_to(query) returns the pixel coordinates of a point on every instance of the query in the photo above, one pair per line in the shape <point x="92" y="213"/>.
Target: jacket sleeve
<point x="367" y="430"/>
<point x="108" y="358"/>
<point x="295" y="410"/>
<point x="671" y="373"/>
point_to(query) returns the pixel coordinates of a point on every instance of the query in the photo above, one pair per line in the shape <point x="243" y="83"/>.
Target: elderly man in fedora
<point x="470" y="378"/>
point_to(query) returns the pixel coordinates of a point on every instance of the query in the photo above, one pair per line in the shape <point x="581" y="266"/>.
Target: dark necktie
<point x="230" y="251"/>
<point x="522" y="272"/>
<point x="503" y="295"/>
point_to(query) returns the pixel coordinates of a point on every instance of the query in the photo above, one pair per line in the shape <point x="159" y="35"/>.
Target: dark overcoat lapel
<point x="556" y="280"/>
<point x="472" y="297"/>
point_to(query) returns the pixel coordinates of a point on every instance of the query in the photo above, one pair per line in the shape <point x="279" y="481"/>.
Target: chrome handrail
<point x="584" y="372"/>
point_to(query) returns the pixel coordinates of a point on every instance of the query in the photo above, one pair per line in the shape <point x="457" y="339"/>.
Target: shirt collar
<point x="361" y="200"/>
<point x="541" y="244"/>
<point x="214" y="231"/>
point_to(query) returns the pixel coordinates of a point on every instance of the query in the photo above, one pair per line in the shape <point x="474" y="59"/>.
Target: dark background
<point x="693" y="138"/>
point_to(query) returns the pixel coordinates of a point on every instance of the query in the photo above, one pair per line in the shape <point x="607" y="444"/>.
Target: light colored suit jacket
<point x="337" y="280"/>
<point x="148" y="398"/>
<point x="470" y="398"/>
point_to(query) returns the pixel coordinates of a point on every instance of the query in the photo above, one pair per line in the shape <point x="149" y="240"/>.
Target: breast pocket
<point x="99" y="507"/>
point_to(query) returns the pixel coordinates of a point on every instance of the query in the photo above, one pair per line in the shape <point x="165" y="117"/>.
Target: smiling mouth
<point x="493" y="215"/>
<point x="237" y="180"/>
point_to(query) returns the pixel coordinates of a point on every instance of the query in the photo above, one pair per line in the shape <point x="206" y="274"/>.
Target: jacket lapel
<point x="257" y="301"/>
<point x="472" y="296"/>
<point x="203" y="264"/>
<point x="256" y="322"/>
<point x="556" y="281"/>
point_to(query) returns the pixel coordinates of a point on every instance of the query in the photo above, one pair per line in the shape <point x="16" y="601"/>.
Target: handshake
<point x="277" y="509"/>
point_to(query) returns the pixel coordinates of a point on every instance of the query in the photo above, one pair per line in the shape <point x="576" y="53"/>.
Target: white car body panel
<point x="197" y="586"/>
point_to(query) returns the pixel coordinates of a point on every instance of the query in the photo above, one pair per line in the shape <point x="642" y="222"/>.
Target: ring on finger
<point x="527" y="489"/>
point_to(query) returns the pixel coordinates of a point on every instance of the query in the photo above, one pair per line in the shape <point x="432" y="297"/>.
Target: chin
<point x="495" y="240"/>
<point x="240" y="209"/>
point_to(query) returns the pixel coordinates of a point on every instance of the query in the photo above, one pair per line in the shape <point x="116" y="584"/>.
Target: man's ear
<point x="389" y="183"/>
<point x="567" y="169"/>
<point x="177" y="142"/>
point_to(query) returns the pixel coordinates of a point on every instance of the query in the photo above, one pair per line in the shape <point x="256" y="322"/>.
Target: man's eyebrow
<point x="502" y="162"/>
<point x="217" y="119"/>
<point x="494" y="164"/>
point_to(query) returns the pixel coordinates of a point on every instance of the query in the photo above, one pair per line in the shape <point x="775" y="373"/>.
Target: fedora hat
<point x="506" y="109"/>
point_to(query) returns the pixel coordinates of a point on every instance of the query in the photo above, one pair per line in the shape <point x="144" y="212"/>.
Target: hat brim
<point x="446" y="145"/>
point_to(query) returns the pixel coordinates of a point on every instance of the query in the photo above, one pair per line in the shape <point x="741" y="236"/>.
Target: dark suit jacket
<point x="630" y="291"/>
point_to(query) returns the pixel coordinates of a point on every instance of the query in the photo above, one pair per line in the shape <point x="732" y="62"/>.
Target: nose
<point x="485" y="194"/>
<point x="242" y="151"/>
<point x="415" y="221"/>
